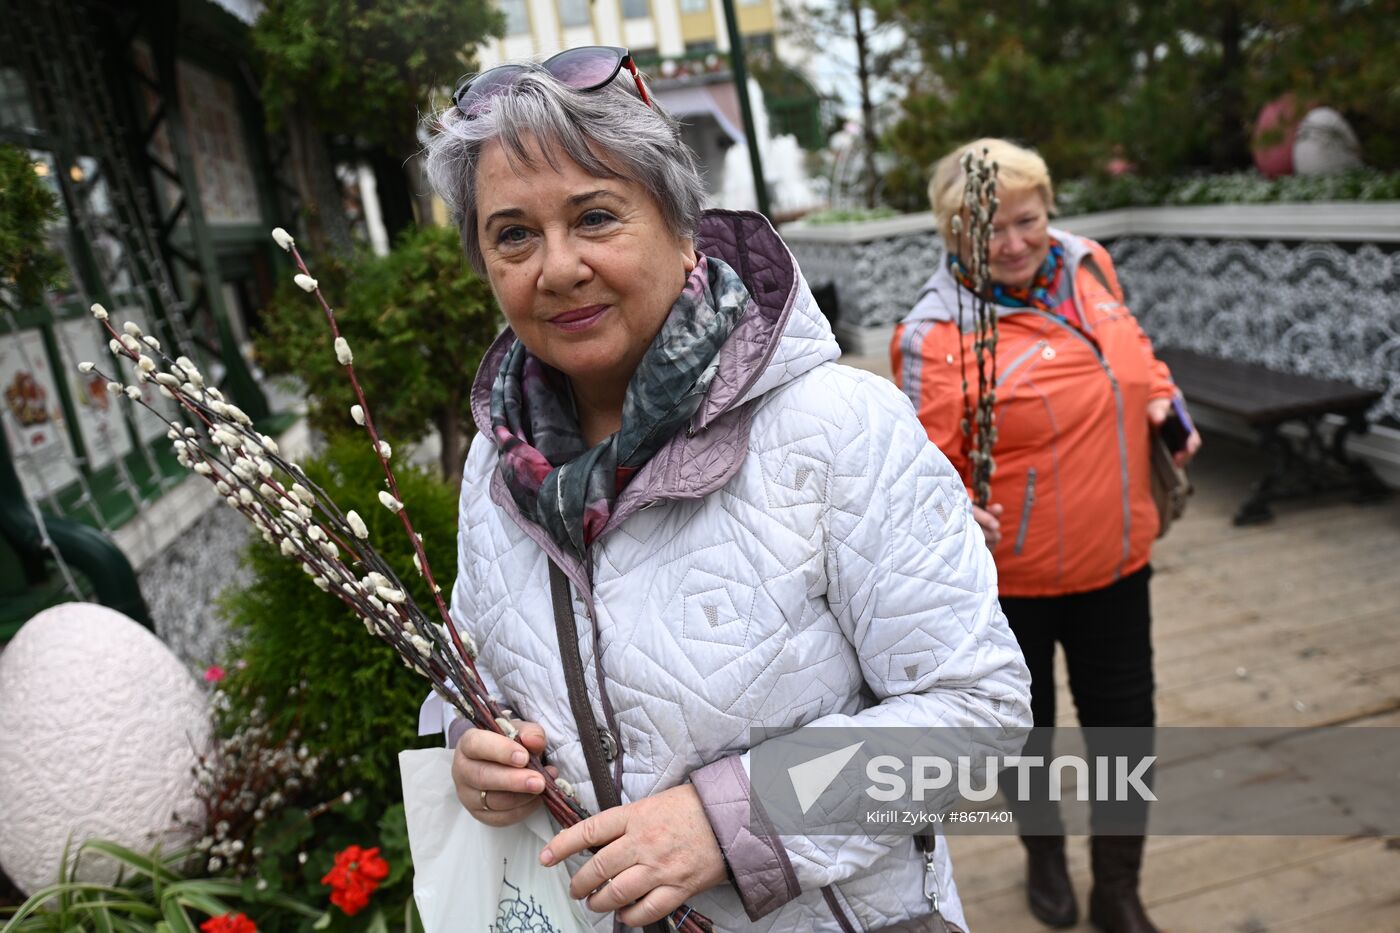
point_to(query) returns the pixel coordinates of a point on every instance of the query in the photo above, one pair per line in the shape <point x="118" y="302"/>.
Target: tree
<point x="816" y="27"/>
<point x="1036" y="72"/>
<point x="1170" y="86"/>
<point x="363" y="68"/>
<point x="418" y="321"/>
<point x="1341" y="54"/>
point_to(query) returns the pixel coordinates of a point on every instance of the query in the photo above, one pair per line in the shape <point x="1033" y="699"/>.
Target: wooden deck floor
<point x="1294" y="623"/>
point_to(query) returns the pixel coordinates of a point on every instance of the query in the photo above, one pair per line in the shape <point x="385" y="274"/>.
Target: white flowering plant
<point x="245" y="781"/>
<point x="294" y="514"/>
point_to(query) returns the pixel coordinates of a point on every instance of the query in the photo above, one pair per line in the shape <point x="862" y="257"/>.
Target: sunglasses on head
<point x="584" y="69"/>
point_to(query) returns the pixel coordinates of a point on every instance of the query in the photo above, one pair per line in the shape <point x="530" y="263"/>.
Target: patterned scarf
<point x="1042" y="293"/>
<point x="560" y="483"/>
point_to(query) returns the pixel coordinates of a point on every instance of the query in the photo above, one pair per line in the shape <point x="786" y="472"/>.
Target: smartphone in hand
<point x="1176" y="429"/>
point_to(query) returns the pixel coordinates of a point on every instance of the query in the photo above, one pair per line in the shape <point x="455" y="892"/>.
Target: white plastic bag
<point x="472" y="878"/>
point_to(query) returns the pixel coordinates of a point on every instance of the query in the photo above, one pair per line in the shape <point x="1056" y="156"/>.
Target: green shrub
<point x="849" y="215"/>
<point x="27" y="207"/>
<point x="419" y="321"/>
<point x="149" y="894"/>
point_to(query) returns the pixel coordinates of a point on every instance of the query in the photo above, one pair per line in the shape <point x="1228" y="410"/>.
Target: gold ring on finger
<point x="484" y="805"/>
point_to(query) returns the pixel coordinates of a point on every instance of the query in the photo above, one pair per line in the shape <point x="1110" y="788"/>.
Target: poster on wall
<point x="33" y="416"/>
<point x="100" y="418"/>
<point x="219" y="147"/>
<point x="228" y="191"/>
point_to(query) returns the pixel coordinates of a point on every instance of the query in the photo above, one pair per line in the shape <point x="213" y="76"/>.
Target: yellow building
<point x="652" y="29"/>
<point x="682" y="46"/>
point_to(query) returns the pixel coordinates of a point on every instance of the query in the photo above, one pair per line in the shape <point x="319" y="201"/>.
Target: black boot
<point x="1048" y="891"/>
<point x="1114" y="905"/>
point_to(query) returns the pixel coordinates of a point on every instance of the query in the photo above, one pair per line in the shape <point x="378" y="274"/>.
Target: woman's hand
<point x="990" y="520"/>
<point x="491" y="774"/>
<point x="656" y="853"/>
<point x="1157" y="411"/>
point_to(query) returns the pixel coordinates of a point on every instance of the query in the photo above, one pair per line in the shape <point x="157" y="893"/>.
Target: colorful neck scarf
<point x="560" y="483"/>
<point x="1042" y="293"/>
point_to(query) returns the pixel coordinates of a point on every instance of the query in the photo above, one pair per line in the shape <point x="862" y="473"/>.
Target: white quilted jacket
<point x="800" y="556"/>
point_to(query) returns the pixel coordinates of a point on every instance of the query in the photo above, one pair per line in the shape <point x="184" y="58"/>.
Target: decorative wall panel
<point x="876" y="281"/>
<point x="1320" y="309"/>
<point x="1325" y="309"/>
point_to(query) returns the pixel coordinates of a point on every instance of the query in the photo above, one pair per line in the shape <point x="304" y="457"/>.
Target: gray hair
<point x="609" y="133"/>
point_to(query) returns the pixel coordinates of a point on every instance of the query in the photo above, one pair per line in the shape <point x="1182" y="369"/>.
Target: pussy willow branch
<point x="978" y="425"/>
<point x="269" y="506"/>
<point x="488" y="713"/>
<point x="315" y="543"/>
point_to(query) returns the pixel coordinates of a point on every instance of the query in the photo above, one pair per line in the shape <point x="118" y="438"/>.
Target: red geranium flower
<point x="229" y="923"/>
<point x="354" y="877"/>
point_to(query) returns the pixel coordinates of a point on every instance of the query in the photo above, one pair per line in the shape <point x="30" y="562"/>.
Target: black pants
<point x="1107" y="639"/>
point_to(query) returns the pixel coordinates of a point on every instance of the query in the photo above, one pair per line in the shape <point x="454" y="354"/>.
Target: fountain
<point x="784" y="163"/>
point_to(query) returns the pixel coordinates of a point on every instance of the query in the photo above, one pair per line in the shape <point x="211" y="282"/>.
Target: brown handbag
<point x="1171" y="487"/>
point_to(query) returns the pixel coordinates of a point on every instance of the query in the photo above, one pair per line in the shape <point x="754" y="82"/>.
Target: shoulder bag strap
<point x="589" y="735"/>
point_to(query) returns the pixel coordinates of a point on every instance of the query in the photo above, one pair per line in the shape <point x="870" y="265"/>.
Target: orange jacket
<point x="1071" y="456"/>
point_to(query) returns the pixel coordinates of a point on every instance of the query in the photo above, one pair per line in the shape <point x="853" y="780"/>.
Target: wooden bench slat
<point x="1260" y="395"/>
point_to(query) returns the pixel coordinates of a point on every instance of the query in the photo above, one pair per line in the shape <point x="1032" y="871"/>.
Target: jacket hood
<point x="938" y="298"/>
<point x="781" y="335"/>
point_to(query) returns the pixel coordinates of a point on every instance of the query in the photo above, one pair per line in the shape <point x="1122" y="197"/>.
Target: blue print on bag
<point x="514" y="915"/>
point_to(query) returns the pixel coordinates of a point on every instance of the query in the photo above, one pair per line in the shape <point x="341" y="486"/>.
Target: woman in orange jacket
<point x="1071" y="519"/>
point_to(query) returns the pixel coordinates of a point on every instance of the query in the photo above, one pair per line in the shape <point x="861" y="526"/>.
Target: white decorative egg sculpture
<point x="1325" y="144"/>
<point x="100" y="726"/>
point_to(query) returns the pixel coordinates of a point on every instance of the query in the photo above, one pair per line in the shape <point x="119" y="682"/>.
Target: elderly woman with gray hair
<point x="681" y="519"/>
